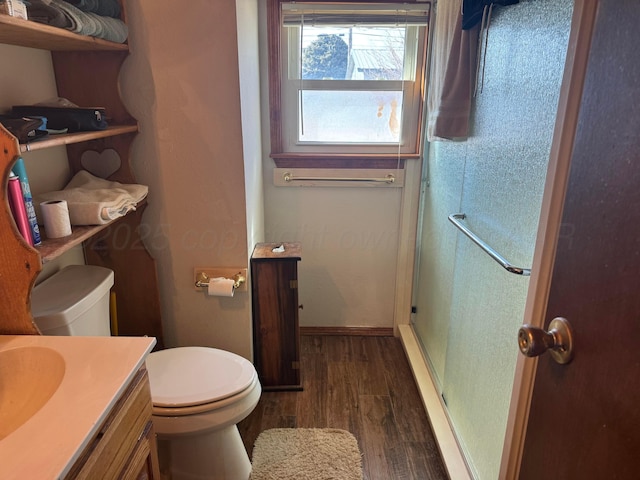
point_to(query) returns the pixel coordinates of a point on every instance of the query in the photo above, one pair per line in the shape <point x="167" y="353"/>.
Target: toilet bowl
<point x="199" y="394"/>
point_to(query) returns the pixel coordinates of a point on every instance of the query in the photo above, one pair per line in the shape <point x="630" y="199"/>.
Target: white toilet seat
<point x="206" y="407"/>
<point x="188" y="377"/>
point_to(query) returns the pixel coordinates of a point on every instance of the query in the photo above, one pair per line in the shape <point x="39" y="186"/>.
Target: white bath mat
<point x="306" y="454"/>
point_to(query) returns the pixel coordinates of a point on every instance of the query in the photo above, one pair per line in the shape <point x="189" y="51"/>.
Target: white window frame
<point x="411" y="88"/>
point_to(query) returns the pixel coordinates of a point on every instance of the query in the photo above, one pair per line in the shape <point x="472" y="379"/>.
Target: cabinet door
<point x="276" y="331"/>
<point x="124" y="447"/>
<point x="143" y="463"/>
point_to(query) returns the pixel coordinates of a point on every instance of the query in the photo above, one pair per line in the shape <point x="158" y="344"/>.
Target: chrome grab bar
<point x="455" y="219"/>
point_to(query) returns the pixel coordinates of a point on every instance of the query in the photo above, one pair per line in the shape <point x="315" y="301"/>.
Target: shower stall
<point x="468" y="308"/>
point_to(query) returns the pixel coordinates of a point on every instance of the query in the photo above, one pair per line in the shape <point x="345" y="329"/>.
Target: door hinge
<point x="293" y="284"/>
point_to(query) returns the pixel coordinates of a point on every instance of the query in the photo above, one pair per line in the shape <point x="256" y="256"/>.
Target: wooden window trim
<point x="311" y="160"/>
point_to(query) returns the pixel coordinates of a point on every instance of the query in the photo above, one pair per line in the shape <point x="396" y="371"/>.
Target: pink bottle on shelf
<point x="16" y="203"/>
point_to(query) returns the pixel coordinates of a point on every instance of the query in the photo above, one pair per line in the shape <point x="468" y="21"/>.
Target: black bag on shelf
<point x="74" y="119"/>
<point x="25" y="129"/>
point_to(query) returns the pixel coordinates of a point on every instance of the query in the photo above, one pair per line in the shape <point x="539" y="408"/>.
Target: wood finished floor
<point x="363" y="385"/>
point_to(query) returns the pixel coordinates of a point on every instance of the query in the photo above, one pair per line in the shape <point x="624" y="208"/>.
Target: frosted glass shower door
<point x="441" y="194"/>
<point x="469" y="308"/>
<point x="482" y="348"/>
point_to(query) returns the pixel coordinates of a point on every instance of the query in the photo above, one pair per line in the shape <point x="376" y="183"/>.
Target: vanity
<point x="76" y="408"/>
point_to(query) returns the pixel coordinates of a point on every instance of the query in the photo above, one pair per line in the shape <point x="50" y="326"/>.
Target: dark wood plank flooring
<point x="364" y="385"/>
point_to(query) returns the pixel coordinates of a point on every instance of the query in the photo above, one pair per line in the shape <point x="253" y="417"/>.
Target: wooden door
<point x="584" y="417"/>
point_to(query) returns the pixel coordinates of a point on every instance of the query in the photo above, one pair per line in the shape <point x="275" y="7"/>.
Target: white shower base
<point x="452" y="456"/>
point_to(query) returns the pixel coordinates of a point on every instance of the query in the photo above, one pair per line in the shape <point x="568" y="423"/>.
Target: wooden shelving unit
<point x="86" y="71"/>
<point x="23" y="33"/>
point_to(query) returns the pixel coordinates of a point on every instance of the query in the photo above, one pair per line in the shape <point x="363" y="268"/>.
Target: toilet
<point x="199" y="394"/>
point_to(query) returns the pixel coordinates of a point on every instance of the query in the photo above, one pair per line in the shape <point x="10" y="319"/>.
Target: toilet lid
<point x="186" y="376"/>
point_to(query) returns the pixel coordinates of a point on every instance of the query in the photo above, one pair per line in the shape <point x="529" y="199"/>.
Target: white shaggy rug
<point x="306" y="454"/>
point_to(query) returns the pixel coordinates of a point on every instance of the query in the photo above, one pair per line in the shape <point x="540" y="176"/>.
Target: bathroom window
<point x="346" y="82"/>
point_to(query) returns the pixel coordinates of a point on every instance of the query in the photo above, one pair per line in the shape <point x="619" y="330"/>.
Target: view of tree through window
<point x="362" y="115"/>
<point x="353" y="53"/>
<point x="326" y="57"/>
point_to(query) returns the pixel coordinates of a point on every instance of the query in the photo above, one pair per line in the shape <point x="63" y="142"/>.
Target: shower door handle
<point x="534" y="341"/>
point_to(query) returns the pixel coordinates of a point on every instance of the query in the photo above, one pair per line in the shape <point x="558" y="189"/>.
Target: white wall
<point x="349" y="242"/>
<point x="247" y="15"/>
<point x="182" y="84"/>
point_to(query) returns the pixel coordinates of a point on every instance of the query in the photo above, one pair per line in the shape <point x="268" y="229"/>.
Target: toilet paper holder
<point x="238" y="275"/>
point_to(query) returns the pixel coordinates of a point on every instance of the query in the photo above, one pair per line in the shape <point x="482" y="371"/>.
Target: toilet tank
<point x="74" y="301"/>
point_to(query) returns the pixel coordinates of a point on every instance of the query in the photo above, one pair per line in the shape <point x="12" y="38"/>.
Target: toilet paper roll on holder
<point x="202" y="279"/>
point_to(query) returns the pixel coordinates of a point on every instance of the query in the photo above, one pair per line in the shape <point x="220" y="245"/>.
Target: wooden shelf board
<point x="54" y="247"/>
<point x="25" y="33"/>
<point x="51" y="248"/>
<point x="77" y="137"/>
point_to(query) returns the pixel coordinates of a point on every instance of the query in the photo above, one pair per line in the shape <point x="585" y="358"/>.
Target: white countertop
<point x="97" y="371"/>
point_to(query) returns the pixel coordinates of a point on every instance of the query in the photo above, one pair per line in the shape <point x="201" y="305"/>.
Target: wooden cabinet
<point x="276" y="331"/>
<point x="86" y="71"/>
<point x="125" y="445"/>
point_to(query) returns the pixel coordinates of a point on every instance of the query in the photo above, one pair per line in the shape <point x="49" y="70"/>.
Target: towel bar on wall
<point x="289" y="177"/>
<point x="455" y="219"/>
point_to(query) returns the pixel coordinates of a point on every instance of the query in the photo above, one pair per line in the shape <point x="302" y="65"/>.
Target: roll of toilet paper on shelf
<point x="221" y="287"/>
<point x="55" y="217"/>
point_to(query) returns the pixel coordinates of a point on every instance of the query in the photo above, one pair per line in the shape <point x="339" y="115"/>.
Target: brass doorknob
<point x="534" y="341"/>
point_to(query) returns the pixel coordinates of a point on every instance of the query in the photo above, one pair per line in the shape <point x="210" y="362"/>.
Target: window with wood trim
<point x="346" y="82"/>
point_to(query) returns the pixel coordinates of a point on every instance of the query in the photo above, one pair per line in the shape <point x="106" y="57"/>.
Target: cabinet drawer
<point x="108" y="454"/>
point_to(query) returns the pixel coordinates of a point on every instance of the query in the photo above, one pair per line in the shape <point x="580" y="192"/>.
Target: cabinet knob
<point x="301" y="307"/>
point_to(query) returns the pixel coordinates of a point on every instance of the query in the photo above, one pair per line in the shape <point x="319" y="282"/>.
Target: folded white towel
<point x="95" y="201"/>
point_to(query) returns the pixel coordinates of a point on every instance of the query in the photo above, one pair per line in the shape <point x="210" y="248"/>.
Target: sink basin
<point x="29" y="376"/>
